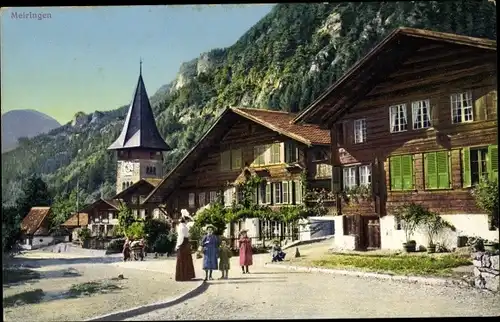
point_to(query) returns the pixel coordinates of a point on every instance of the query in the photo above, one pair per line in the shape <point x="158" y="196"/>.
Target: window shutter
<point x="236" y="159"/>
<point x="431" y="173"/>
<point x="298" y="192"/>
<point x="443" y="169"/>
<point x="493" y="162"/>
<point x="225" y="160"/>
<point x="268" y="193"/>
<point x="407" y="172"/>
<point x="466" y="174"/>
<point x="395" y="169"/>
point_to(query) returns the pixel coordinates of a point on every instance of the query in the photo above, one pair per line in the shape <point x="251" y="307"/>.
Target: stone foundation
<point x="486" y="271"/>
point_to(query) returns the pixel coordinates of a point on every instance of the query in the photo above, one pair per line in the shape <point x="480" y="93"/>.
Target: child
<point x="246" y="254"/>
<point x="277" y="254"/>
<point x="126" y="250"/>
<point x="224" y="259"/>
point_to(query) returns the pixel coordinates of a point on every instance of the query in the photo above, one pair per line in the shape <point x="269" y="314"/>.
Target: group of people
<point x="134" y="247"/>
<point x="216" y="256"/>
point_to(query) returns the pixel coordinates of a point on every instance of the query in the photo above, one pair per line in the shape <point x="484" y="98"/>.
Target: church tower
<point x="140" y="145"/>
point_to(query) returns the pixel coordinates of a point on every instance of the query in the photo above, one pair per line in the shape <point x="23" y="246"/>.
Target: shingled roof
<point x="34" y="220"/>
<point x="281" y="122"/>
<point x="74" y="221"/>
<point x="139" y="129"/>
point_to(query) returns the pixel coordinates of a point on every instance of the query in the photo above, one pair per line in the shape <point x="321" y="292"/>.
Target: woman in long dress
<point x="246" y="253"/>
<point x="210" y="252"/>
<point x="184" y="269"/>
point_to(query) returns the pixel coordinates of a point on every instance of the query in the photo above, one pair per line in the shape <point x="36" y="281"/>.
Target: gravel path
<point x="270" y="294"/>
<point x="59" y="273"/>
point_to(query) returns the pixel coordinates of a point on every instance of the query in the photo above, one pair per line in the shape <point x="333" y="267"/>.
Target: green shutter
<point x="443" y="169"/>
<point x="466" y="177"/>
<point x="431" y="172"/>
<point x="396" y="179"/>
<point x="407" y="172"/>
<point x="493" y="161"/>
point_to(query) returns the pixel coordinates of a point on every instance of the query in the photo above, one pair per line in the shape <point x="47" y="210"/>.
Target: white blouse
<point x="182" y="232"/>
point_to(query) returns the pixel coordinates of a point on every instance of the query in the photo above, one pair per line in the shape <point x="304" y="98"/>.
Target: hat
<point x="209" y="226"/>
<point x="243" y="231"/>
<point x="185" y="214"/>
<point x="276" y="241"/>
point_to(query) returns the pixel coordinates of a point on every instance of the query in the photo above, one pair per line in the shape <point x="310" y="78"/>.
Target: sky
<point x="87" y="59"/>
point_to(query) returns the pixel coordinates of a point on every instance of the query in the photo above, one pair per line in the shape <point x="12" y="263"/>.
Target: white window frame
<point x="299" y="192"/>
<point x="202" y="199"/>
<point x="419" y="107"/>
<point x="462" y="102"/>
<point x="285" y="185"/>
<point x="350" y="177"/>
<point x="360" y="131"/>
<point x="259" y="155"/>
<point x="191" y="200"/>
<point x="213" y="196"/>
<point x="268" y="192"/>
<point x="229" y="196"/>
<point x="277" y="193"/>
<point x="398" y="124"/>
<point x="365" y="175"/>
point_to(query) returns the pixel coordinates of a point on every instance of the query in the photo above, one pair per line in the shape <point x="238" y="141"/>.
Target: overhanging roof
<point x="280" y="122"/>
<point x="382" y="60"/>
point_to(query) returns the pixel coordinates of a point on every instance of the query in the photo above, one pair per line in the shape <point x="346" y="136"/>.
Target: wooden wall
<point x="422" y="78"/>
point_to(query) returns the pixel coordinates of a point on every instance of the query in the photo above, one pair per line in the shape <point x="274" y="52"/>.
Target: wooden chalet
<point x="35" y="228"/>
<point x="74" y="223"/>
<point x="248" y="142"/>
<point x="416" y="120"/>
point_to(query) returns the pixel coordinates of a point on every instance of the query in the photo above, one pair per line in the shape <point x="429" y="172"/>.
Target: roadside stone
<point x="486" y="271"/>
<point x="495" y="261"/>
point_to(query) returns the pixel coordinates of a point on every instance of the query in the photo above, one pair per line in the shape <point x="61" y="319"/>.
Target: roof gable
<point x="77" y="220"/>
<point x="101" y="203"/>
<point x="139" y="129"/>
<point x="384" y="59"/>
<point x="34" y="220"/>
<point x="274" y="120"/>
<point x="141" y="183"/>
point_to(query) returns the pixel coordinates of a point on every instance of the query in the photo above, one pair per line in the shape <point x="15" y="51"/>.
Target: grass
<point x="17" y="275"/>
<point x="396" y="264"/>
<point x="90" y="288"/>
<point x="28" y="297"/>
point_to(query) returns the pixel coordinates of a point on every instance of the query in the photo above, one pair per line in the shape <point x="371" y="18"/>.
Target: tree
<point x="11" y="227"/>
<point x="486" y="195"/>
<point x="62" y="208"/>
<point x="35" y="194"/>
<point x="125" y="218"/>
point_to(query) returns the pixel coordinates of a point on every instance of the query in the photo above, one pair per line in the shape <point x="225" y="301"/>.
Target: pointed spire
<point x="139" y="129"/>
<point x="140" y="66"/>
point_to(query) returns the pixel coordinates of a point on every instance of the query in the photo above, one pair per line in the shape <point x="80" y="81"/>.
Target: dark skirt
<point x="184" y="269"/>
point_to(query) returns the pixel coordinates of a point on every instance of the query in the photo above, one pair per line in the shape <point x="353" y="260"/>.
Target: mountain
<point x="282" y="63"/>
<point x="18" y="124"/>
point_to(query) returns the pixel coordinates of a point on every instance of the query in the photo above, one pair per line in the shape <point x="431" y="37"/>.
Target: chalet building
<point x="139" y="149"/>
<point x="247" y="142"/>
<point x="414" y="120"/>
<point x="35" y="229"/>
<point x="76" y="221"/>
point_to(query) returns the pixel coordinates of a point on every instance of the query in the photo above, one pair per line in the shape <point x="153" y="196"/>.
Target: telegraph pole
<point x="77" y="214"/>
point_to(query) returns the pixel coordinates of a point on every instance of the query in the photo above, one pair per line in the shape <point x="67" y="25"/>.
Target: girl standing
<point x="210" y="252"/>
<point x="245" y="251"/>
<point x="126" y="250"/>
<point x="224" y="259"/>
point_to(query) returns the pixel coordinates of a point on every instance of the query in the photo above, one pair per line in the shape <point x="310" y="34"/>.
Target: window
<point x="290" y="152"/>
<point x="276" y="153"/>
<point x="152" y="155"/>
<point x="401" y="172"/>
<point x="269" y="195"/>
<point x="123" y="186"/>
<point x="255" y="195"/>
<point x="461" y="107"/>
<point x="349" y="177"/>
<point x="201" y="199"/>
<point x="323" y="170"/>
<point x="365" y="175"/>
<point x="359" y="131"/>
<point x="421" y="114"/>
<point x="339" y="130"/>
<point x="239" y="195"/>
<point x="477" y="162"/>
<point x="228" y="196"/>
<point x="191" y="200"/>
<point x="437" y="170"/>
<point x="213" y="196"/>
<point x="278" y="198"/>
<point x="286" y="192"/>
<point x="225" y="160"/>
<point x="236" y="159"/>
<point x="399" y="122"/>
<point x="298" y="192"/>
<point x="259" y="155"/>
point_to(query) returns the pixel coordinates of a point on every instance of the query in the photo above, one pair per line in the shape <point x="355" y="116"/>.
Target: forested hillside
<point x="285" y="61"/>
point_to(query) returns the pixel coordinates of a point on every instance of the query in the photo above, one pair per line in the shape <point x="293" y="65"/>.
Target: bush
<point x="115" y="246"/>
<point x="165" y="243"/>
<point x="136" y="230"/>
<point x="486" y="196"/>
<point x="84" y="234"/>
<point x="153" y="228"/>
